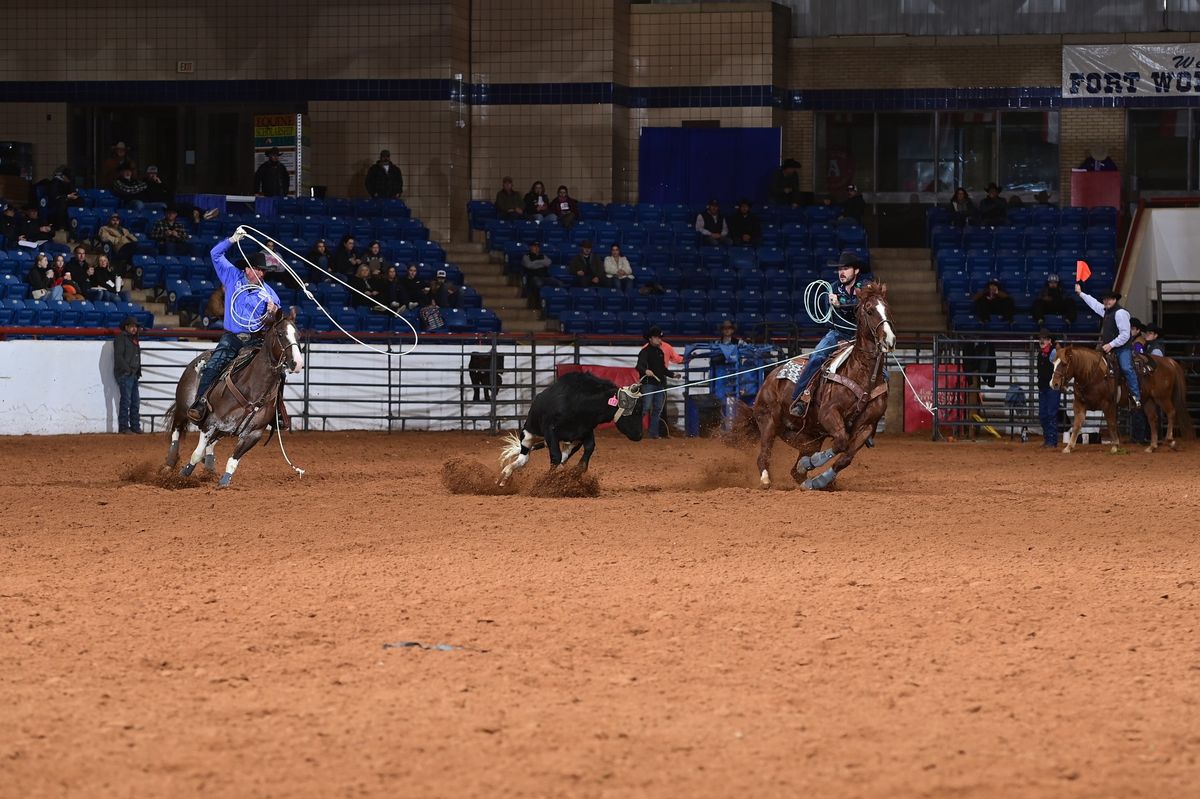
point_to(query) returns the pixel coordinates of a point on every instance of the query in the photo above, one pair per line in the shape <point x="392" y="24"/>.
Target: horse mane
<point x="1091" y="369"/>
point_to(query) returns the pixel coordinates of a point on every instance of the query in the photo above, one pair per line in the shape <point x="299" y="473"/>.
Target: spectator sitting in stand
<point x="271" y="179"/>
<point x="384" y="179"/>
<point x="993" y="210"/>
<point x="102" y="285"/>
<point x="33" y="229"/>
<point x="445" y="293"/>
<point x="617" y="270"/>
<point x="1097" y="159"/>
<point x="565" y="208"/>
<point x="537" y="204"/>
<point x="389" y="289"/>
<point x="711" y="226"/>
<point x="993" y="300"/>
<point x="170" y="234"/>
<point x="346" y="260"/>
<point x="588" y="268"/>
<point x="78" y="263"/>
<point x="962" y="210"/>
<point x="119" y="239"/>
<point x="118" y="155"/>
<point x="60" y="195"/>
<point x="72" y="287"/>
<point x="128" y="189"/>
<point x="157" y="191"/>
<point x="536" y="269"/>
<point x="319" y="255"/>
<point x="1052" y="299"/>
<point x="361" y="283"/>
<point x="855" y="207"/>
<point x="416" y="292"/>
<point x="744" y="228"/>
<point x="785" y="185"/>
<point x="509" y="204"/>
<point x="10" y="223"/>
<point x="373" y="258"/>
<point x="43" y="285"/>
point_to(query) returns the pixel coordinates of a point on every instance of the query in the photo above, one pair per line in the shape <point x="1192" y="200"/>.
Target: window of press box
<point x="926" y="153"/>
<point x="1158" y="145"/>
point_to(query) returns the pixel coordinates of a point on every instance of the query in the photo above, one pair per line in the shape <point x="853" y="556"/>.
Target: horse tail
<point x="169" y="420"/>
<point x="1183" y="419"/>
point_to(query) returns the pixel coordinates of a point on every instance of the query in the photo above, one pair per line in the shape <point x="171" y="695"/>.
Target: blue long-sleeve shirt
<point x="1121" y="318"/>
<point x="245" y="302"/>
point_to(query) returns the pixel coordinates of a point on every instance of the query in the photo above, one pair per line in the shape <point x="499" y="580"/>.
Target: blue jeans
<point x="129" y="415"/>
<point x="227" y="349"/>
<point x="56" y="293"/>
<point x="1125" y="359"/>
<point x="1048" y="404"/>
<point x="817" y="358"/>
<point x="654" y="408"/>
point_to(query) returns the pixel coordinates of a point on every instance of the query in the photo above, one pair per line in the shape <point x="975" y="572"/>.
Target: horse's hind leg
<point x="1151" y="410"/>
<point x="177" y="433"/>
<point x="766" y="441"/>
<point x="245" y="443"/>
<point x="210" y="457"/>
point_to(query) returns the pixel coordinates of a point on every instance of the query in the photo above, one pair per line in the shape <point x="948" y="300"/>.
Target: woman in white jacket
<point x="618" y="270"/>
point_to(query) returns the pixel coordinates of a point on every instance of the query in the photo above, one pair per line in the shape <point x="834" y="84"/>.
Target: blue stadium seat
<point x="693" y="300"/>
<point x="555" y="301"/>
<point x="484" y="320"/>
<point x="604" y="323"/>
<point x="613" y="300"/>
<point x="1104" y="215"/>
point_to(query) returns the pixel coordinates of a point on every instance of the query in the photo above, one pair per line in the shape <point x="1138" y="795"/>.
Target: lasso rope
<point x="246" y="233"/>
<point x="279" y="435"/>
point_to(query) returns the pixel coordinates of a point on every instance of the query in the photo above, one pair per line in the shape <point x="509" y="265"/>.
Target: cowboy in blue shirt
<point x="850" y="279"/>
<point x="249" y="303"/>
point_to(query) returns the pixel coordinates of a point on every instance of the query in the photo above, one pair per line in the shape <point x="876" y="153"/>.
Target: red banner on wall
<point x="920" y="377"/>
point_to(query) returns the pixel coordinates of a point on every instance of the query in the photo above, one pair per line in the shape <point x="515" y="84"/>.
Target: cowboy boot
<point x="198" y="410"/>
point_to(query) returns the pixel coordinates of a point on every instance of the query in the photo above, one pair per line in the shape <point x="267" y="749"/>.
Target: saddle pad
<point x="790" y="371"/>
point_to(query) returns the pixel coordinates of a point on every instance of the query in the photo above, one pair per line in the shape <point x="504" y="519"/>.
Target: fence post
<point x="936" y="411"/>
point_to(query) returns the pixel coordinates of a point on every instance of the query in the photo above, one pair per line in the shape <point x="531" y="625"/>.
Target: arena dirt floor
<point x="967" y="619"/>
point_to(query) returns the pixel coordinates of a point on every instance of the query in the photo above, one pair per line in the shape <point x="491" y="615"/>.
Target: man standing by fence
<point x="1048" y="398"/>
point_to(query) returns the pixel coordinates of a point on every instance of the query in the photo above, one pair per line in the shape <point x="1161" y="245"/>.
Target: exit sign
<point x="185" y="66"/>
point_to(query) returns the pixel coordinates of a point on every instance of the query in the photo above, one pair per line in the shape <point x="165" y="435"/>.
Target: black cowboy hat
<point x="1044" y="333"/>
<point x="273" y="151"/>
<point x="1152" y="328"/>
<point x="127" y="321"/>
<point x="847" y="259"/>
<point x="791" y="163"/>
<point x="1135" y="322"/>
<point x="652" y="332"/>
<point x="1116" y="295"/>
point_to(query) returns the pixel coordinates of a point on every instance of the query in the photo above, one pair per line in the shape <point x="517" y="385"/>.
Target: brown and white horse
<point x="242" y="405"/>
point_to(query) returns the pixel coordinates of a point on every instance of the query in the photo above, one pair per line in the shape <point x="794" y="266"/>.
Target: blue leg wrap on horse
<point x="822" y="480"/>
<point x="816" y="460"/>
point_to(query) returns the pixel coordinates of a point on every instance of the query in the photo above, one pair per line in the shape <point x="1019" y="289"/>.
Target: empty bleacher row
<point x="1036" y="243"/>
<point x="684" y="288"/>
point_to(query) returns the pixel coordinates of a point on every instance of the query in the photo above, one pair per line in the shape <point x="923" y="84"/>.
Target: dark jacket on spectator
<point x="415" y="290"/>
<point x="127" y="355"/>
<point x="652" y="365"/>
<point x="993" y="210"/>
<point x="854" y="208"/>
<point x="157" y="192"/>
<point x="344" y="262"/>
<point x="445" y="293"/>
<point x="271" y="179"/>
<point x="364" y="285"/>
<point x="386" y="183"/>
<point x="531" y="203"/>
<point x="10" y="228"/>
<point x="747" y="225"/>
<point x="509" y="204"/>
<point x="592" y="267"/>
<point x="129" y="190"/>
<point x="391" y="292"/>
<point x="37" y="279"/>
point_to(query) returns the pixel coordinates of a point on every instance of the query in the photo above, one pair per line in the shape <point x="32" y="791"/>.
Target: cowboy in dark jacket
<point x="384" y="179"/>
<point x="127" y="368"/>
<point x="271" y="178"/>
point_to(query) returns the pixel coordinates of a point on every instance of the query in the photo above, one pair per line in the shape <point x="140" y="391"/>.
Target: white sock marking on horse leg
<point x="198" y="452"/>
<point x="174" y="438"/>
<point x="764" y="478"/>
<point x="231" y="465"/>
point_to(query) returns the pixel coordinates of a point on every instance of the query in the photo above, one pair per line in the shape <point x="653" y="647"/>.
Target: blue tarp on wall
<point x="692" y="165"/>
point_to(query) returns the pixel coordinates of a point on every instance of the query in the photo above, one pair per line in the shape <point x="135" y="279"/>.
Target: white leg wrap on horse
<point x="231" y="465"/>
<point x="198" y="452"/>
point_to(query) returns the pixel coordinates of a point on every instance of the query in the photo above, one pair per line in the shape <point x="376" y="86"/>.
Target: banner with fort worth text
<point x="1140" y="70"/>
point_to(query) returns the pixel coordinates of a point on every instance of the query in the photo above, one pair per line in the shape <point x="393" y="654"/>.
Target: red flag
<point x="1082" y="271"/>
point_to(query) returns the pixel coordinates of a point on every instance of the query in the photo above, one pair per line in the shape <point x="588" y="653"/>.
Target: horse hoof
<point x="806" y="464"/>
<point x="1149" y="449"/>
<point x="225" y="480"/>
<point x="1114" y="449"/>
<point x="764" y="479"/>
<point x="186" y="471"/>
<point x="1066" y="450"/>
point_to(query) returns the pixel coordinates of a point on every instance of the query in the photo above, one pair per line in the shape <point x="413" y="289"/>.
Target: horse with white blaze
<point x="564" y="418"/>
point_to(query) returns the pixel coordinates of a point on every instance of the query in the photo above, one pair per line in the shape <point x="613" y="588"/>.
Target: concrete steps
<point x="501" y="294"/>
<point x="912" y="288"/>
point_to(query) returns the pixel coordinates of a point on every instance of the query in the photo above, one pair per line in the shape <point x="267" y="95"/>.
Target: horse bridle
<point x="873" y="328"/>
<point x="286" y="363"/>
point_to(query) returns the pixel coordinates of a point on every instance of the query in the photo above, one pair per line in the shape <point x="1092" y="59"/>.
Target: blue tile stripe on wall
<point x="757" y="96"/>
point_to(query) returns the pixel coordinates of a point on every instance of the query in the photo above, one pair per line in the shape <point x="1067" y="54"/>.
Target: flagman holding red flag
<point x="1114" y="328"/>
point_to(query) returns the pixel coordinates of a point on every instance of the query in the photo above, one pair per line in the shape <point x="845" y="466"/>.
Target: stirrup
<point x="798" y="407"/>
<point x="197" y="411"/>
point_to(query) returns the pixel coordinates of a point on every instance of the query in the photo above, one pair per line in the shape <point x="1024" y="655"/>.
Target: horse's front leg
<point x="1078" y="414"/>
<point x="245" y="443"/>
<point x="1110" y="416"/>
<point x="767" y="423"/>
<point x="856" y="441"/>
<point x="839" y="441"/>
<point x="197" y="455"/>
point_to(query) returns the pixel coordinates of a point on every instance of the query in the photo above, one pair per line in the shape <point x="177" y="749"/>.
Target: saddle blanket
<point x="791" y="370"/>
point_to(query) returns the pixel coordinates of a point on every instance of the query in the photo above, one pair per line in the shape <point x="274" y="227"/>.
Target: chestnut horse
<point x="845" y="407"/>
<point x="242" y="403"/>
<point x="1096" y="389"/>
